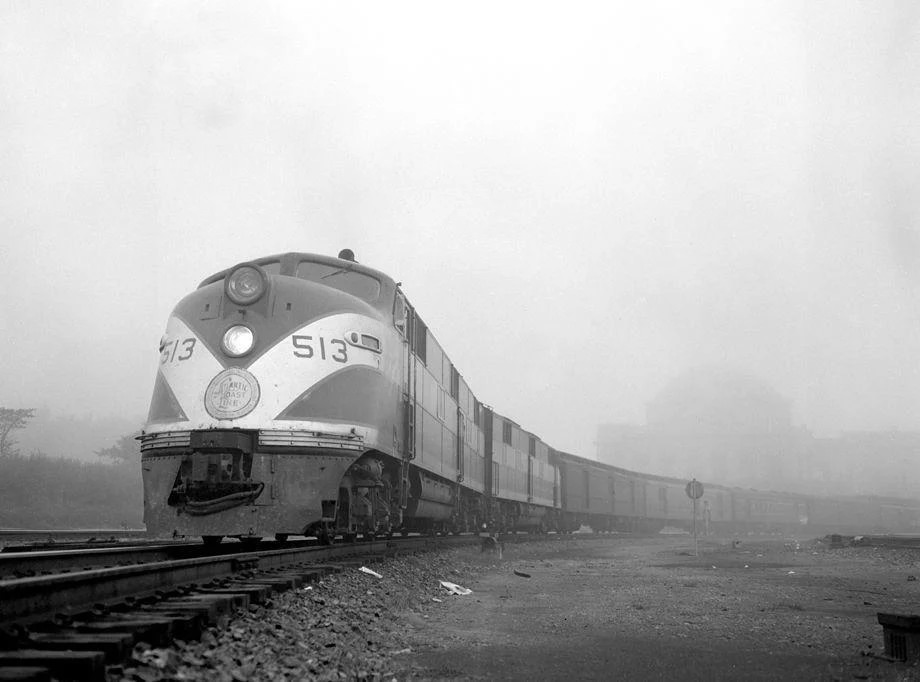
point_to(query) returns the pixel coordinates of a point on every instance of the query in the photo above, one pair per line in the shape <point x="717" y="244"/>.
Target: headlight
<point x="238" y="340"/>
<point x="246" y="284"/>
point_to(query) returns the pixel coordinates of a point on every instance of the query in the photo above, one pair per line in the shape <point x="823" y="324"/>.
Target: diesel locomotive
<point x="301" y="394"/>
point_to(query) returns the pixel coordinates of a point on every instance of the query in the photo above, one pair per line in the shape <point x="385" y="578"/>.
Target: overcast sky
<point x="581" y="200"/>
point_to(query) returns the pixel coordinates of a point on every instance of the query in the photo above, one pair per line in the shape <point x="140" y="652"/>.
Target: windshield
<point x="342" y="278"/>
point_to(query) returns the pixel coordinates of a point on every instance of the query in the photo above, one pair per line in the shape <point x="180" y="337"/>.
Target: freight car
<point x="606" y="497"/>
<point x="303" y="394"/>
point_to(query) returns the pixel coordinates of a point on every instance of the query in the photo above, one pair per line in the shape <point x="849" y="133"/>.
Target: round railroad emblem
<point x="232" y="394"/>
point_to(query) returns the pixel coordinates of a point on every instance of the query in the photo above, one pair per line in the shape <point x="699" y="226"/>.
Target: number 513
<point x="304" y="348"/>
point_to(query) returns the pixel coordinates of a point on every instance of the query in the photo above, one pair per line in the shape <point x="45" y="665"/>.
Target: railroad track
<point x="895" y="541"/>
<point x="71" y="625"/>
<point x="28" y="562"/>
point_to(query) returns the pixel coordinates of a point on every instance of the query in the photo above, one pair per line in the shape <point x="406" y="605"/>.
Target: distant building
<point x="717" y="425"/>
<point x="727" y="427"/>
<point x="867" y="462"/>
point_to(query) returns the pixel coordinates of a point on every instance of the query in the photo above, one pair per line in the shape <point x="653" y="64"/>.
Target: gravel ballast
<point x="350" y="625"/>
<point x="575" y="607"/>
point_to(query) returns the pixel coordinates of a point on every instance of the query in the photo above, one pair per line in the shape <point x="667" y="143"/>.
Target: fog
<point x="582" y="201"/>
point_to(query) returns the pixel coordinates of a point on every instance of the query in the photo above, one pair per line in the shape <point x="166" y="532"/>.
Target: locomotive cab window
<point x="506" y="432"/>
<point x="420" y="341"/>
<point x="454" y="383"/>
<point x="272" y="267"/>
<point x="401" y="313"/>
<point x="358" y="284"/>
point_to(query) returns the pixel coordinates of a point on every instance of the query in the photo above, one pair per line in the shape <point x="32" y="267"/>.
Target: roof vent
<point x="347" y="254"/>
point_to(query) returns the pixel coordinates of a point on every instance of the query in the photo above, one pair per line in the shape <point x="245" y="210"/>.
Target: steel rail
<point x="29" y="563"/>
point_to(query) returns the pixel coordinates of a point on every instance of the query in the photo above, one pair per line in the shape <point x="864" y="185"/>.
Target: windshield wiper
<point x="337" y="272"/>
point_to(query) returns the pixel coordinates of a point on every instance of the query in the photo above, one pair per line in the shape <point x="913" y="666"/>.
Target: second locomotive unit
<point x="301" y="394"/>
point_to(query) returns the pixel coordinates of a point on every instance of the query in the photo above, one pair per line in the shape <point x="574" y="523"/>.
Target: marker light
<point x="238" y="340"/>
<point x="246" y="284"/>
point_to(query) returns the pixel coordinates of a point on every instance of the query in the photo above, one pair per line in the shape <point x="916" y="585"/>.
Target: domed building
<point x="715" y="424"/>
<point x="717" y="400"/>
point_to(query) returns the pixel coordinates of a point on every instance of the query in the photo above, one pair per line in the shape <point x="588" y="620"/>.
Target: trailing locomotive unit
<point x="293" y="396"/>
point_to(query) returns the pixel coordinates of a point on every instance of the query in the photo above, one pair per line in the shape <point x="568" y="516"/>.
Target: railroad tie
<point x="64" y="665"/>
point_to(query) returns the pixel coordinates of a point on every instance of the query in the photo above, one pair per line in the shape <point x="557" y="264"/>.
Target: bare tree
<point x="10" y="420"/>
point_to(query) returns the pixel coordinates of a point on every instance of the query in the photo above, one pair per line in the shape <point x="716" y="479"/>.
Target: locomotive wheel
<point x="250" y="540"/>
<point x="281" y="537"/>
<point x="211" y="540"/>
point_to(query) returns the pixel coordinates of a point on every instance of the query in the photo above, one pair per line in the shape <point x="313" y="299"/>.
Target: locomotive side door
<point x="461" y="422"/>
<point x="461" y="441"/>
<point x="559" y="494"/>
<point x="489" y="472"/>
<point x="557" y="487"/>
<point x="531" y="453"/>
<point x="461" y="438"/>
<point x="405" y="321"/>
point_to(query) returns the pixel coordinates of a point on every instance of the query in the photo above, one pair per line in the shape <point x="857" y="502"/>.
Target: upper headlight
<point x="238" y="340"/>
<point x="246" y="284"/>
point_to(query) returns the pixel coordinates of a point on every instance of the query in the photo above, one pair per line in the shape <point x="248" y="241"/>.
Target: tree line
<point x="39" y="491"/>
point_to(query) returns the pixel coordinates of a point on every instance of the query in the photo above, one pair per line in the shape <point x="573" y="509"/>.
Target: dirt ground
<point x="626" y="608"/>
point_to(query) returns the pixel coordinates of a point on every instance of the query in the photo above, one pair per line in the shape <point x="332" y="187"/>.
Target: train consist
<point x="303" y="394"/>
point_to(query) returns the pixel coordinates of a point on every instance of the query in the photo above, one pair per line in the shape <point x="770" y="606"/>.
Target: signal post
<point x="695" y="492"/>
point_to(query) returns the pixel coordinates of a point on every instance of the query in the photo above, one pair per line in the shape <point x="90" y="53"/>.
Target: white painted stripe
<point x="282" y="374"/>
<point x="188" y="378"/>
